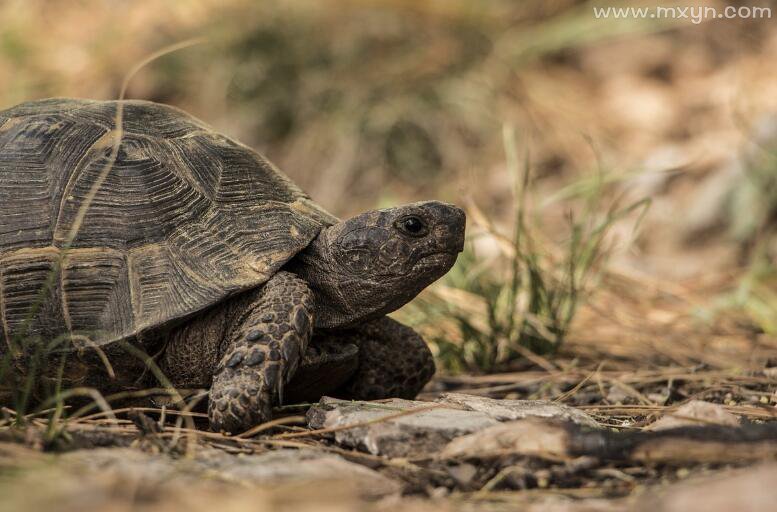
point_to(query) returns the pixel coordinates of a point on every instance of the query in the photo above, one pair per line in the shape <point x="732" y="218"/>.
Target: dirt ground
<point x="681" y="307"/>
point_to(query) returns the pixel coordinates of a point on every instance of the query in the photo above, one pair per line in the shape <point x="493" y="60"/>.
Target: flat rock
<point x="695" y="413"/>
<point x="269" y="469"/>
<point x="532" y="436"/>
<point x="303" y="466"/>
<point x="391" y="428"/>
<point x="413" y="434"/>
<point x="509" y="410"/>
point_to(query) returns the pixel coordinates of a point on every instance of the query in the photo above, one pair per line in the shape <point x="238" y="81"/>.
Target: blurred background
<point x="635" y="155"/>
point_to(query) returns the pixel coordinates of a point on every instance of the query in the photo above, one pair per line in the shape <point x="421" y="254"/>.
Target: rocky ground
<point x="459" y="451"/>
<point x="645" y="407"/>
<point x="567" y="437"/>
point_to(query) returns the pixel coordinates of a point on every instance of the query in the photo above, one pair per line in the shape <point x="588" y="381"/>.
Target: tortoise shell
<point x="184" y="219"/>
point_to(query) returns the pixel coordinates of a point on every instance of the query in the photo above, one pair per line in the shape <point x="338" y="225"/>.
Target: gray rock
<point x="263" y="470"/>
<point x="391" y="428"/>
<point x="413" y="434"/>
<point x="282" y="466"/>
<point x="463" y="474"/>
<point x="533" y="436"/>
<point x="695" y="413"/>
<point x="508" y="410"/>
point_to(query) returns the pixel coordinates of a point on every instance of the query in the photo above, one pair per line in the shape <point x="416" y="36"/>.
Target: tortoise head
<point x="370" y="265"/>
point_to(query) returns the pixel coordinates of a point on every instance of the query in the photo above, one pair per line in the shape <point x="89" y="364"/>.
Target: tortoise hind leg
<point x="394" y="361"/>
<point x="326" y="366"/>
<point x="261" y="354"/>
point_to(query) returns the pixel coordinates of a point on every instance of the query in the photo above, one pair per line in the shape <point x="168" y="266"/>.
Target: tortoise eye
<point x="412" y="226"/>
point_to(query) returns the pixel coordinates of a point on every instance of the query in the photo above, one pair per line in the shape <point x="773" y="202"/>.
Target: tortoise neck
<point x="316" y="267"/>
<point x="342" y="298"/>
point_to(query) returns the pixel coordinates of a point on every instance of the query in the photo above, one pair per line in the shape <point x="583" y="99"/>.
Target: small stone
<point x="543" y="478"/>
<point x="659" y="398"/>
<point x="617" y="395"/>
<point x="530" y="436"/>
<point x="463" y="473"/>
<point x="274" y="355"/>
<point x="439" y="492"/>
<point x="267" y="317"/>
<point x="695" y="413"/>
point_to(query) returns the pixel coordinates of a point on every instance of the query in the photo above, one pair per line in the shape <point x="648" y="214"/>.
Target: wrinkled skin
<point x="319" y="326"/>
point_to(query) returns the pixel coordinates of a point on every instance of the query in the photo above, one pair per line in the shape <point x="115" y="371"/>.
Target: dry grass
<point x="491" y="311"/>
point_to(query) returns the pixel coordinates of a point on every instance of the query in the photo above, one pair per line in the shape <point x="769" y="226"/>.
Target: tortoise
<point x="183" y="256"/>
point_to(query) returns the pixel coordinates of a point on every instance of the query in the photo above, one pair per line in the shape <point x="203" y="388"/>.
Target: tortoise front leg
<point x="394" y="361"/>
<point x="261" y="354"/>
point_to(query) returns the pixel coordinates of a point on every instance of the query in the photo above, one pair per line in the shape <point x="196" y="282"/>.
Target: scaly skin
<point x="261" y="355"/>
<point x="256" y="363"/>
<point x="380" y="359"/>
<point x="246" y="351"/>
<point x="394" y="361"/>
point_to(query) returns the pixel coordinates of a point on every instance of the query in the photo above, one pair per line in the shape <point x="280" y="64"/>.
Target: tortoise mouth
<point x="441" y="261"/>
